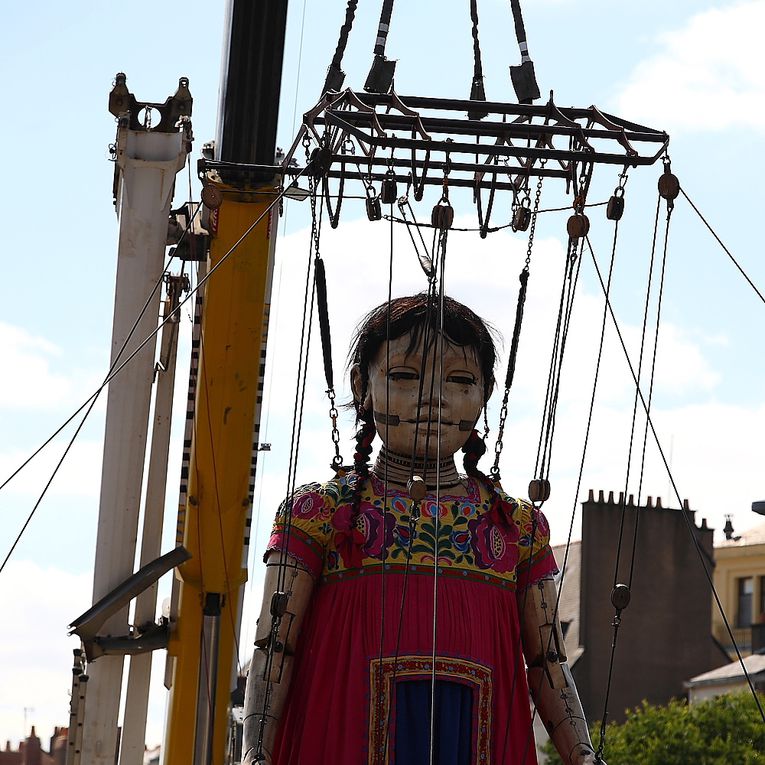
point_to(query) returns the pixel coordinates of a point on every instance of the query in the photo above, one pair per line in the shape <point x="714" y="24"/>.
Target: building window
<point x="745" y="595"/>
<point x="761" y="616"/>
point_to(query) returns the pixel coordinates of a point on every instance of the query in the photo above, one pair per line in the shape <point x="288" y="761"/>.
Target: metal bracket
<point x="87" y="625"/>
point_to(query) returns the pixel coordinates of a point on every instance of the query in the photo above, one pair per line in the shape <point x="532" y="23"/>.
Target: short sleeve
<point x="536" y="560"/>
<point x="303" y="525"/>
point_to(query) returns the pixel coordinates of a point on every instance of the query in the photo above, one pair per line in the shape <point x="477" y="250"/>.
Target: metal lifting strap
<point x="477" y="92"/>
<point x="523" y="77"/>
<point x="335" y="74"/>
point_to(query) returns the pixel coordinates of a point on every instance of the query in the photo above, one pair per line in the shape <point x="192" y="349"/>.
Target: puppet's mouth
<point x="394" y="420"/>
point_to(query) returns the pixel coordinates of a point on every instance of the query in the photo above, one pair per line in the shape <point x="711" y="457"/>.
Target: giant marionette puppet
<point x="344" y="672"/>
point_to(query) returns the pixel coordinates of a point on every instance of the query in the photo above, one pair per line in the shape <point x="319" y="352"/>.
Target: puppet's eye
<point x="462" y="379"/>
<point x="403" y="374"/>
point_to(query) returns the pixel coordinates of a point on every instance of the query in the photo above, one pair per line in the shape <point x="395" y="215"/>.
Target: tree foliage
<point x="724" y="730"/>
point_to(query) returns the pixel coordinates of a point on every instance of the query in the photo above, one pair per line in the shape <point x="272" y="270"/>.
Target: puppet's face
<point x="452" y="384"/>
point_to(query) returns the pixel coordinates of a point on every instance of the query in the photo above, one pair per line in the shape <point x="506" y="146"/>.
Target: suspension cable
<point x="297" y="421"/>
<point x="513" y="356"/>
<point x="689" y="525"/>
<point x="335" y="74"/>
<point x="720" y="242"/>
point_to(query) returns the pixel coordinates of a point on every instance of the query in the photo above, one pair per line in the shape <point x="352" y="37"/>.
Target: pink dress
<point x="369" y="629"/>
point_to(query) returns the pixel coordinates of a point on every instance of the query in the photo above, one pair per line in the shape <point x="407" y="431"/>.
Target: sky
<point x="690" y="67"/>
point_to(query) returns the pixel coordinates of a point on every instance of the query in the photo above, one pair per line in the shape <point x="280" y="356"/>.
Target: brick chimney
<point x="32" y="750"/>
<point x="665" y="635"/>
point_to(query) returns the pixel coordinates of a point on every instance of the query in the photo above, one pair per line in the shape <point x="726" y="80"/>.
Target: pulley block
<point x="521" y="218"/>
<point x="620" y="597"/>
<point x="388" y="190"/>
<point x="416" y="488"/>
<point x="539" y="490"/>
<point x="578" y="226"/>
<point x="615" y="208"/>
<point x="374" y="208"/>
<point x="442" y="216"/>
<point x="669" y="186"/>
<point x="212" y="197"/>
<point x="320" y="162"/>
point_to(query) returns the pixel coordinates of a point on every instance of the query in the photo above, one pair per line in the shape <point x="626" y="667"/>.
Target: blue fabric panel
<point x="454" y="718"/>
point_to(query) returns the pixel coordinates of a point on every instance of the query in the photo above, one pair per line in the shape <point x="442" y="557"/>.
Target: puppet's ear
<point x="362" y="398"/>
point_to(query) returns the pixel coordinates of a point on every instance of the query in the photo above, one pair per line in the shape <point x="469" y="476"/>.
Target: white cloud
<point x="30" y="383"/>
<point x="705" y="76"/>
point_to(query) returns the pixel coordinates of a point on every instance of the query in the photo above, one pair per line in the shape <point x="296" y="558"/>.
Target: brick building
<point x="30" y="751"/>
<point x="665" y="636"/>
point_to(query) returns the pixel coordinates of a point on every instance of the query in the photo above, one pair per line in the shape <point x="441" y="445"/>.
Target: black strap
<point x="321" y="304"/>
<point x="335" y="74"/>
<point x="520" y="30"/>
<point x="524" y="278"/>
<point x="477" y="67"/>
<point x="383" y="27"/>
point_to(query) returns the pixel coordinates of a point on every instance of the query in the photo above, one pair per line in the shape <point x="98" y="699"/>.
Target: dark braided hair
<point x="474" y="449"/>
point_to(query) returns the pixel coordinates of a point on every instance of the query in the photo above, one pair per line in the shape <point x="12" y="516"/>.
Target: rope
<point x="512" y="358"/>
<point x="477" y="92"/>
<point x="437" y="519"/>
<point x="650" y="390"/>
<point x="380" y="697"/>
<point x="335" y="74"/>
<point x="90" y="402"/>
<point x="689" y="526"/>
<point x="720" y="242"/>
<point x="297" y="422"/>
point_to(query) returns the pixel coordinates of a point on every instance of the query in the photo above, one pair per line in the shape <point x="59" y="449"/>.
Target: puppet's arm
<point x="550" y="682"/>
<point x="268" y="681"/>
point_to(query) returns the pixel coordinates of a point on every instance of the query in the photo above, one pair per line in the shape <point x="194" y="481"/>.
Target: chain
<point x="337" y="460"/>
<point x="499" y="445"/>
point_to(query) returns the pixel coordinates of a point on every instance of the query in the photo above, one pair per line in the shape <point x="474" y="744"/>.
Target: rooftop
<point x="755" y="665"/>
<point x="752" y="536"/>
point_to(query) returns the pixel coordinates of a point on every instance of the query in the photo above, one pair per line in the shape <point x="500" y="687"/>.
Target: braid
<point x="474" y="449"/>
<point x="364" y="437"/>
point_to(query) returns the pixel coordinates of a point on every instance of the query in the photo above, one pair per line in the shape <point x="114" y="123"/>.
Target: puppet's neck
<point x="398" y="468"/>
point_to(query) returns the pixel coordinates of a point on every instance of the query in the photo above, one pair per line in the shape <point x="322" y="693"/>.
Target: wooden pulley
<point x="320" y="162"/>
<point x="615" y="208"/>
<point x="669" y="185"/>
<point x="388" y="190"/>
<point x="620" y="597"/>
<point x="212" y="197"/>
<point x="416" y="488"/>
<point x="539" y="490"/>
<point x="374" y="209"/>
<point x="521" y="218"/>
<point x="578" y="226"/>
<point x="442" y="216"/>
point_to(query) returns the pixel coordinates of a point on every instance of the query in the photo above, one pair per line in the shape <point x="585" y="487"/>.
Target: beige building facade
<point x="739" y="578"/>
